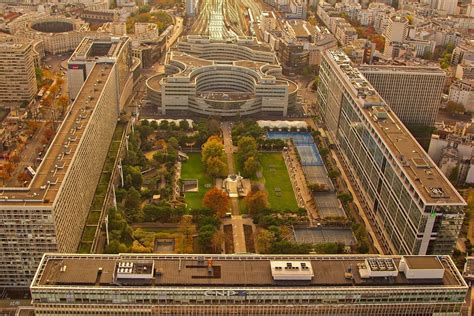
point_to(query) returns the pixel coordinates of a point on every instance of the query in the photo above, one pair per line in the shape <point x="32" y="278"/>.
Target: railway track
<point x="221" y="19"/>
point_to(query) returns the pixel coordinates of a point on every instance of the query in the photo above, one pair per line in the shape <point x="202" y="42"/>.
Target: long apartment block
<point x="49" y="214"/>
<point x="153" y="284"/>
<point x="410" y="204"/>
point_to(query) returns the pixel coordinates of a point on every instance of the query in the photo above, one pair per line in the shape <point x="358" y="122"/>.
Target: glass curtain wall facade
<point x="403" y="223"/>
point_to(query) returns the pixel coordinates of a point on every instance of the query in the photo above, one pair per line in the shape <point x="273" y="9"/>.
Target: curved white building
<point x="222" y="78"/>
<point x="58" y="33"/>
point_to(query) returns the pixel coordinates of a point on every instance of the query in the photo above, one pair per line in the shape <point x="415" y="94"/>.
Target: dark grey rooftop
<point x="231" y="270"/>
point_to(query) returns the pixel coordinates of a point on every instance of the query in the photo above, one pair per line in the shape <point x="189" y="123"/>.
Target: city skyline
<point x="245" y="150"/>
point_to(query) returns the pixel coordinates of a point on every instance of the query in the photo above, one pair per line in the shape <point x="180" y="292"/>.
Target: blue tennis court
<point x="305" y="145"/>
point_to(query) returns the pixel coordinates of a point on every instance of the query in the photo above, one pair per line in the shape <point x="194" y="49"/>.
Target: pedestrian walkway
<point x="355" y="196"/>
<point x="238" y="222"/>
<point x="303" y="195"/>
<point x="229" y="151"/>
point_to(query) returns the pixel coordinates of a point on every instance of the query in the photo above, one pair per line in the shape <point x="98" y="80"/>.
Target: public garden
<point x="207" y="187"/>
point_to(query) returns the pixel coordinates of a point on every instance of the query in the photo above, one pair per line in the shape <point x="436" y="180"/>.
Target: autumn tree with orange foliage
<point x="217" y="200"/>
<point x="214" y="158"/>
<point x="22" y="177"/>
<point x="256" y="201"/>
<point x="62" y="103"/>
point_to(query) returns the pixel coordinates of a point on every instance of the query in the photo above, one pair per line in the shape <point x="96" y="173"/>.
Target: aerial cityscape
<point x="236" y="157"/>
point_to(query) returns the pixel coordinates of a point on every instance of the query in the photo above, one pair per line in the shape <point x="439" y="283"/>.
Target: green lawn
<point x="276" y="176"/>
<point x="194" y="169"/>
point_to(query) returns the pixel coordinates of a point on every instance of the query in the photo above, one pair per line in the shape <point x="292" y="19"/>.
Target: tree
<point x="318" y="187"/>
<point x="217" y="200"/>
<point x="188" y="230"/>
<point x="454" y="107"/>
<point x="216" y="167"/>
<point x="246" y="147"/>
<point x="62" y="103"/>
<point x="324" y="152"/>
<point x="164" y="125"/>
<point x="23" y="177"/>
<point x="217" y="240"/>
<point x="213" y="147"/>
<point x="144" y="131"/>
<point x="173" y="143"/>
<point x="213" y="126"/>
<point x="137" y="247"/>
<point x="345" y="197"/>
<point x="116" y="247"/>
<point x="184" y="125"/>
<point x="161" y="213"/>
<point x="251" y="166"/>
<point x="48" y="134"/>
<point x="133" y="177"/>
<point x="144" y="9"/>
<point x="287" y="247"/>
<point x="214" y="157"/>
<point x="329" y="248"/>
<point x="264" y="240"/>
<point x="204" y="238"/>
<point x="315" y="84"/>
<point x="379" y="41"/>
<point x="39" y="74"/>
<point x="333" y="173"/>
<point x="132" y="203"/>
<point x="256" y="201"/>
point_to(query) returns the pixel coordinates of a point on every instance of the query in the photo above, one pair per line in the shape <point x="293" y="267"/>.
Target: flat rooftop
<point x="9" y="44"/>
<point x="92" y="48"/>
<point x="422" y="70"/>
<point x="60" y="270"/>
<point x="247" y="41"/>
<point x="301" y="28"/>
<point x="424" y="175"/>
<point x="50" y="174"/>
<point x="423" y="262"/>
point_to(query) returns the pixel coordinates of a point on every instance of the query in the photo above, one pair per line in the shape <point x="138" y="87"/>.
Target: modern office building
<point x="137" y="284"/>
<point x="17" y="71"/>
<point x="50" y="213"/>
<point x="230" y="78"/>
<point x="412" y="92"/>
<point x="293" y="56"/>
<point x="114" y="50"/>
<point x="411" y="206"/>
